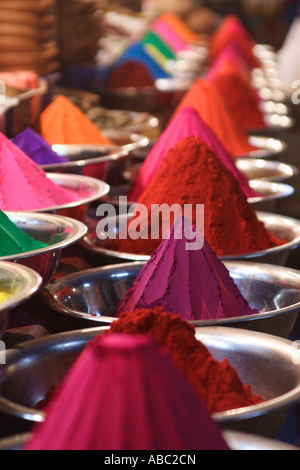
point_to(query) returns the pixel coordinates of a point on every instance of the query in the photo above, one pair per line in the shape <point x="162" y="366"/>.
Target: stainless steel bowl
<point x="53" y="230"/>
<point x="283" y="227"/>
<point x="164" y="93"/>
<point x="94" y="295"/>
<point x="20" y="283"/>
<point x="270" y="193"/>
<point x="235" y="441"/>
<point x="98" y="161"/>
<point x="267" y="147"/>
<point x="87" y="189"/>
<point x="247" y="442"/>
<point x="266" y="170"/>
<point x="38" y="365"/>
<point x="91" y="162"/>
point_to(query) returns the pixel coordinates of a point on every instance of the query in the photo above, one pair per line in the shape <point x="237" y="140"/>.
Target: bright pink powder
<point x="192" y="283"/>
<point x="125" y="393"/>
<point x="24" y="185"/>
<point x="168" y="34"/>
<point x="187" y="122"/>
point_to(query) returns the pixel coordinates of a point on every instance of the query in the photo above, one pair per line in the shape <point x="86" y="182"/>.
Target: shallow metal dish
<point x="235" y="440"/>
<point x="54" y="230"/>
<point x="88" y="190"/>
<point x="21" y="283"/>
<point x="94" y="295"/>
<point x="269" y="193"/>
<point x="266" y="170"/>
<point x="38" y="365"/>
<point x="267" y="147"/>
<point x="284" y="227"/>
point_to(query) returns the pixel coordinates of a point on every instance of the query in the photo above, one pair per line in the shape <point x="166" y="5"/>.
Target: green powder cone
<point x="13" y="241"/>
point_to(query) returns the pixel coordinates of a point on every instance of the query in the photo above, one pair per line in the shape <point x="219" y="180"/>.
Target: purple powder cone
<point x="35" y="147"/>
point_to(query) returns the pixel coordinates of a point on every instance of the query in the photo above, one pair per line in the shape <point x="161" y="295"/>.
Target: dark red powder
<point x="217" y="383"/>
<point x="192" y="174"/>
<point x="130" y="74"/>
<point x="241" y="100"/>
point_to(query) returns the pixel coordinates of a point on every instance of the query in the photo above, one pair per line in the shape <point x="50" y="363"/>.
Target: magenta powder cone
<point x="35" y="147"/>
<point x="125" y="393"/>
<point x="192" y="283"/>
<point x="24" y="185"/>
<point x="187" y="122"/>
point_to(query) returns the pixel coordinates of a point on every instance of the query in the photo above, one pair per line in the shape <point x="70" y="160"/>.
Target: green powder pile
<point x="13" y="241"/>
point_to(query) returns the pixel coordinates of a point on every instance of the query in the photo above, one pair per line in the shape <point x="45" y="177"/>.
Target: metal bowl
<point x="247" y="442"/>
<point x="267" y="147"/>
<point x="283" y="227"/>
<point x="270" y="193"/>
<point x="235" y="441"/>
<point x="21" y="283"/>
<point x="98" y="161"/>
<point x="88" y="190"/>
<point x="91" y="162"/>
<point x="130" y="121"/>
<point x="165" y="92"/>
<point x="55" y="231"/>
<point x="38" y="365"/>
<point x="266" y="170"/>
<point x="94" y="295"/>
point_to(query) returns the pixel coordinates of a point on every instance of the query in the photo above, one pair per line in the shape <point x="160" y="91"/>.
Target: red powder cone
<point x="186" y="123"/>
<point x="239" y="95"/>
<point x="192" y="174"/>
<point x="124" y="393"/>
<point x="205" y="97"/>
<point x="232" y="31"/>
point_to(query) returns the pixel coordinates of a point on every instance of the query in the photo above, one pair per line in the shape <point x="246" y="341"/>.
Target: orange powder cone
<point x="178" y="26"/>
<point x="205" y="97"/>
<point x="63" y="123"/>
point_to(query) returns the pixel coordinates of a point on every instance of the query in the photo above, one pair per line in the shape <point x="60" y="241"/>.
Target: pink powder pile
<point x="24" y="185"/>
<point x="184" y="124"/>
<point x="121" y="394"/>
<point x="192" y="283"/>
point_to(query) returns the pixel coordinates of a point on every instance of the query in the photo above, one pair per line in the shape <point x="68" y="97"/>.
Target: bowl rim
<point x="101" y="189"/>
<point x="32" y="283"/>
<point x="78" y="228"/>
<point x="117" y="155"/>
<point x="277" y="190"/>
<point x="282" y="401"/>
<point x="49" y="293"/>
<point x="262" y="216"/>
<point x="269" y="163"/>
<point x="263" y="151"/>
<point x="137" y="141"/>
<point x="231" y="437"/>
